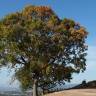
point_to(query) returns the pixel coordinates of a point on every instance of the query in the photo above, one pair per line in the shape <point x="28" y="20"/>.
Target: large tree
<point x="42" y="48"/>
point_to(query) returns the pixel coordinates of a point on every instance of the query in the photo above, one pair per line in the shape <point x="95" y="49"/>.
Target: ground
<point x="75" y="92"/>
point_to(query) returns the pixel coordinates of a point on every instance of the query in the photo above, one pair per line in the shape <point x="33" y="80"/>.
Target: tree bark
<point x="35" y="91"/>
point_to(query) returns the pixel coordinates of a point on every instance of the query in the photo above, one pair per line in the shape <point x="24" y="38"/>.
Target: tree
<point x="84" y="83"/>
<point x="43" y="49"/>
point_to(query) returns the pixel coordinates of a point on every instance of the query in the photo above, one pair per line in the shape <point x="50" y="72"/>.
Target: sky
<point x="82" y="11"/>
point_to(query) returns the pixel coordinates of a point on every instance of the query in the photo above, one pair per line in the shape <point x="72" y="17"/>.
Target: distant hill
<point x="84" y="85"/>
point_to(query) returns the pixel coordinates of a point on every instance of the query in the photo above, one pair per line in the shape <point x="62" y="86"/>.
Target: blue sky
<point x="82" y="11"/>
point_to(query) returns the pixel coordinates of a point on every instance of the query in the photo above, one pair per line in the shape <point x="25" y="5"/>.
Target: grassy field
<point x="75" y="92"/>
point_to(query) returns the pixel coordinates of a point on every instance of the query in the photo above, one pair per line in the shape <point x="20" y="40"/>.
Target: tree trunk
<point x="35" y="91"/>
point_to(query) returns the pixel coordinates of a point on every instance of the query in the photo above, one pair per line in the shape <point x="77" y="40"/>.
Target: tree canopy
<point x="38" y="44"/>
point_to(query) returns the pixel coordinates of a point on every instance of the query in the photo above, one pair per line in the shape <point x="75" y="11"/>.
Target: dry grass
<point x="75" y="92"/>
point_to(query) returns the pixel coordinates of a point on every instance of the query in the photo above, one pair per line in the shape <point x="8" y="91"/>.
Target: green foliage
<point x="43" y="46"/>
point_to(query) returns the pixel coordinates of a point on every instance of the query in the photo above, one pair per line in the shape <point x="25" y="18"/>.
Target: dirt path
<point x="75" y="92"/>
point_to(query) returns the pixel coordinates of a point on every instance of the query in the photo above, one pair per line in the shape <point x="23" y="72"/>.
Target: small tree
<point x="43" y="49"/>
<point x="84" y="82"/>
